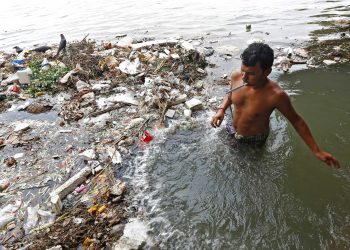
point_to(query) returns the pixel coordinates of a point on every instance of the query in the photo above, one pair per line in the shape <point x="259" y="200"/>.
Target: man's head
<point x="258" y="52"/>
<point x="257" y="60"/>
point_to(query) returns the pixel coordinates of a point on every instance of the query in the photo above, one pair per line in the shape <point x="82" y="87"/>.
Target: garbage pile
<point x="57" y="187"/>
<point x="330" y="45"/>
<point x="317" y="53"/>
<point x="95" y="222"/>
<point x="285" y="58"/>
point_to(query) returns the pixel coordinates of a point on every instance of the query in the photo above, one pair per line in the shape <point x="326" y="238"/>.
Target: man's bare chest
<point x="252" y="102"/>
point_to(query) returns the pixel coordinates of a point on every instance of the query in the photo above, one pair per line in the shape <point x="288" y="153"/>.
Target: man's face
<point x="254" y="75"/>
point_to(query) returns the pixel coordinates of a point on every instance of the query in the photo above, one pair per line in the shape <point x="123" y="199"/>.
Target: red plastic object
<point x="108" y="46"/>
<point x="146" y="137"/>
<point x="14" y="88"/>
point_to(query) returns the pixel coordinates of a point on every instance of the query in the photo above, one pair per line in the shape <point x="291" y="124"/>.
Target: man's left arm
<point x="284" y="105"/>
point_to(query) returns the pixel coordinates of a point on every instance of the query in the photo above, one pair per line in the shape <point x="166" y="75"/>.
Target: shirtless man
<point x="255" y="102"/>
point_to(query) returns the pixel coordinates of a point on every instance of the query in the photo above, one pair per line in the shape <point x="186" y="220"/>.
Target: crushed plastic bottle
<point x="45" y="64"/>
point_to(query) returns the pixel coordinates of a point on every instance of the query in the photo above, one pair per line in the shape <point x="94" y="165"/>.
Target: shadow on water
<point x="199" y="192"/>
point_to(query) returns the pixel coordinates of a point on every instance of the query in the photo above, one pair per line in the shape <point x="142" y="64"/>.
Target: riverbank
<point x="68" y="131"/>
<point x="85" y="112"/>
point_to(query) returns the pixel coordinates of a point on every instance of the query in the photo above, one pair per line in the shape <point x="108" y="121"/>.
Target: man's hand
<point x="217" y="119"/>
<point x="327" y="158"/>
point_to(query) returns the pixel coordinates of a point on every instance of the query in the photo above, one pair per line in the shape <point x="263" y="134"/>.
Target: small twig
<point x="236" y="88"/>
<point x="159" y="67"/>
<point x="222" y="82"/>
<point x="172" y="66"/>
<point x="47" y="225"/>
<point x="139" y="129"/>
<point x="298" y="62"/>
<point x="85" y="37"/>
<point x="162" y="116"/>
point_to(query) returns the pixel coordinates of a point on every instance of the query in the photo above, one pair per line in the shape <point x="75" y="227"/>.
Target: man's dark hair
<point x="258" y="52"/>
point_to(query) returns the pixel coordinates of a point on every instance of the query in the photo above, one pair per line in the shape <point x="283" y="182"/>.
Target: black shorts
<point x="256" y="140"/>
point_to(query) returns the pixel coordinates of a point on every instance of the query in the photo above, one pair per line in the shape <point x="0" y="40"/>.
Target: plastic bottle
<point x="23" y="75"/>
<point x="45" y="64"/>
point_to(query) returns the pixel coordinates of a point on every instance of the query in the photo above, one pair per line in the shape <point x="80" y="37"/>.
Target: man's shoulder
<point x="275" y="87"/>
<point x="236" y="78"/>
<point x="276" y="92"/>
<point x="236" y="75"/>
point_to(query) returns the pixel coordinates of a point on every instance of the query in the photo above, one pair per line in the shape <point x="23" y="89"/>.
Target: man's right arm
<point x="217" y="119"/>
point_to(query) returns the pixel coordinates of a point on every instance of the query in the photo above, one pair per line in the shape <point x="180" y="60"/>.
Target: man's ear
<point x="267" y="71"/>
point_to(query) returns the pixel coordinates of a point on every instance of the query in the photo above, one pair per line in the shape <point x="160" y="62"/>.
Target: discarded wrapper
<point x="146" y="137"/>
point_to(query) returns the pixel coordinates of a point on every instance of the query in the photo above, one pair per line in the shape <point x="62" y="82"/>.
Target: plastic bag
<point x="147" y="137"/>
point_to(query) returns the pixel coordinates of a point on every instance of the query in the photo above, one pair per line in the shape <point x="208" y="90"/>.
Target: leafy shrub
<point x="43" y="80"/>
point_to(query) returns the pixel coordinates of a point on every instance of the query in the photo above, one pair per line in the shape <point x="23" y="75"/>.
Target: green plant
<point x="45" y="79"/>
<point x="32" y="90"/>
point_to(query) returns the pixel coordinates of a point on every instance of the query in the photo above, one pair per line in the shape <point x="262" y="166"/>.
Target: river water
<point x="194" y="188"/>
<point x="201" y="192"/>
<point x="25" y="23"/>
